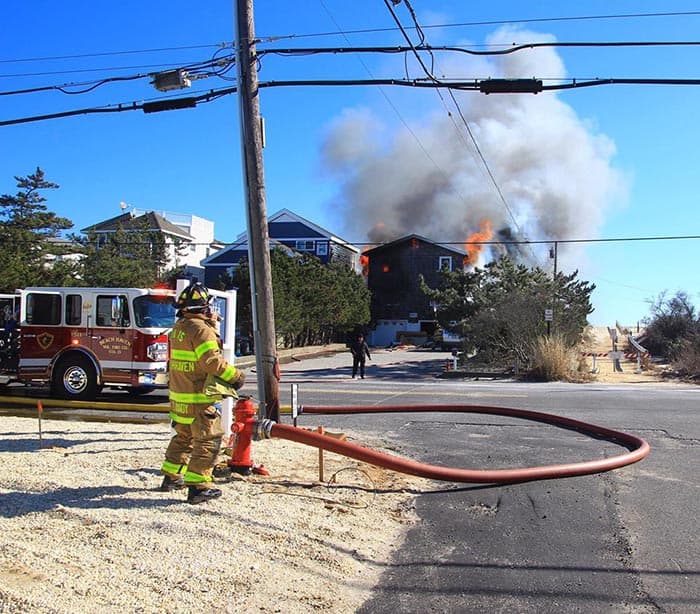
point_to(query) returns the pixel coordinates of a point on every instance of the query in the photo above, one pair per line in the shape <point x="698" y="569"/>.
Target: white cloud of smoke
<point x="554" y="171"/>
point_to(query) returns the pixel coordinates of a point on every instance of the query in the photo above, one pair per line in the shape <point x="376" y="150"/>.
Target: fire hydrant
<point x="244" y="418"/>
<point x="242" y="429"/>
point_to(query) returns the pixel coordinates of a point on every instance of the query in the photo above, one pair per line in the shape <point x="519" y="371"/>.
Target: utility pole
<point x="553" y="253"/>
<point x="549" y="313"/>
<point x="256" y="214"/>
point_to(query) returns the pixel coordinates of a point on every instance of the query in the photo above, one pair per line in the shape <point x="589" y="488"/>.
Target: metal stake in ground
<point x="39" y="412"/>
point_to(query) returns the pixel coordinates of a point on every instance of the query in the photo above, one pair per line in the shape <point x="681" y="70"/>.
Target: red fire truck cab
<point x="79" y="340"/>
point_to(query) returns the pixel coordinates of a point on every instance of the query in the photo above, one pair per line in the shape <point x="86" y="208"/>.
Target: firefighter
<point x="195" y="353"/>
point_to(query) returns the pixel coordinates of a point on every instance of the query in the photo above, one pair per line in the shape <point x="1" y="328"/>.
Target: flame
<point x="364" y="263"/>
<point x="472" y="244"/>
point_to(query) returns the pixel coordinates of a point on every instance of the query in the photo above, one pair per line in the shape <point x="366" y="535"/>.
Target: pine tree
<point x="26" y="227"/>
<point x="133" y="258"/>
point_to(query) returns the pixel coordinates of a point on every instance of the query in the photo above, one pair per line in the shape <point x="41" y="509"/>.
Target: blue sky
<point x="370" y="163"/>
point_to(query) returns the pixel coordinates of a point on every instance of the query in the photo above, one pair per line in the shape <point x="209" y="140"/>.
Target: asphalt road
<point x="622" y="541"/>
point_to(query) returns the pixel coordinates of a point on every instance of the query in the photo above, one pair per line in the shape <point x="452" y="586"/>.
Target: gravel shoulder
<point x="84" y="528"/>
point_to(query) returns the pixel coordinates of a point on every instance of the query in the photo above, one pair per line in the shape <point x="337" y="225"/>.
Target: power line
<point x="618" y="81"/>
<point x="469" y="85"/>
<point x="86" y="70"/>
<point x="225" y="63"/>
<point x="449" y="242"/>
<point x="194" y="67"/>
<point x="155" y="105"/>
<point x="291" y="51"/>
<point x="271" y="38"/>
<point x="494" y="23"/>
<point x="88" y="86"/>
<point x="223" y="45"/>
<point x="545" y="241"/>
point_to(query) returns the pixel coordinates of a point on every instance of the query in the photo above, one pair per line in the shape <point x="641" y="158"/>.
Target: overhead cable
<point x="470" y="242"/>
<point x="492" y="22"/>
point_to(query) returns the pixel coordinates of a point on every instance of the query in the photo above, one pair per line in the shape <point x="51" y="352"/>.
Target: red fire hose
<point x="638" y="448"/>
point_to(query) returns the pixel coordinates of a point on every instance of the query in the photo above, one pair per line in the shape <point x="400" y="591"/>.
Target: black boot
<point x="200" y="495"/>
<point x="168" y="484"/>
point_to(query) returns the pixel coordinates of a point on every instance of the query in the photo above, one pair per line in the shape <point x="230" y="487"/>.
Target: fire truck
<point x="80" y="340"/>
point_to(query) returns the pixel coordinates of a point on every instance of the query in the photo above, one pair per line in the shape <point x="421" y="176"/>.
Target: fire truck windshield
<point x="154" y="311"/>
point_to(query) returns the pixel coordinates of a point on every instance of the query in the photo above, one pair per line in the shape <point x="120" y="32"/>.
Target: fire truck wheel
<point x="74" y="378"/>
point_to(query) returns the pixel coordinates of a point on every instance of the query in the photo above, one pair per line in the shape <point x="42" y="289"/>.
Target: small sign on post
<point x="548" y="317"/>
<point x="616" y="357"/>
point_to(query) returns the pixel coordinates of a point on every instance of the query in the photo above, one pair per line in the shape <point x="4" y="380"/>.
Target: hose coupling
<point x="263" y="429"/>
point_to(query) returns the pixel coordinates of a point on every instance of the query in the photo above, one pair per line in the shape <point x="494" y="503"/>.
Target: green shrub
<point x="671" y="326"/>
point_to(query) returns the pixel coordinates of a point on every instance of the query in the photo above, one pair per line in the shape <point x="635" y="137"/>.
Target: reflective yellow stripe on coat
<point x="195" y="354"/>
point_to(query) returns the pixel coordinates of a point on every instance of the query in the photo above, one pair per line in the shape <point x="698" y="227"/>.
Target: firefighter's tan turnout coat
<point x="194" y="354"/>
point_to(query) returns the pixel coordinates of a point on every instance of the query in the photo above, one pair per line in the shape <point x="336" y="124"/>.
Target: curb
<point x="290" y="355"/>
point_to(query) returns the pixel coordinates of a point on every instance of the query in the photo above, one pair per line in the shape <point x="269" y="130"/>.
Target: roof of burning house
<point x="414" y="237"/>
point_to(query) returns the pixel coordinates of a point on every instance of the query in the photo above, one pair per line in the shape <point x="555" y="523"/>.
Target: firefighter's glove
<point x="213" y="411"/>
<point x="238" y="382"/>
<point x="217" y="388"/>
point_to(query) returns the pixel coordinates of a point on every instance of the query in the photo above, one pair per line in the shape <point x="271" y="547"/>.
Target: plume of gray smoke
<point x="554" y="171"/>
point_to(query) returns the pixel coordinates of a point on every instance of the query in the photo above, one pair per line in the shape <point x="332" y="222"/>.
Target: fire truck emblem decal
<point x="45" y="340"/>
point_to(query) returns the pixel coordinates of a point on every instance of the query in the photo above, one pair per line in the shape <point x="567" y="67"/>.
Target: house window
<point x="305" y="246"/>
<point x="445" y="263"/>
<point x="321" y="249"/>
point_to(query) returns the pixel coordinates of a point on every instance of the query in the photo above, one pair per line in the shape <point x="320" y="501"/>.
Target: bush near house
<point x="673" y="333"/>
<point x="499" y="310"/>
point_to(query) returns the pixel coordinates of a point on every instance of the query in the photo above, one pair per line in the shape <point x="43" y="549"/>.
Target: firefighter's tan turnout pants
<point x="194" y="449"/>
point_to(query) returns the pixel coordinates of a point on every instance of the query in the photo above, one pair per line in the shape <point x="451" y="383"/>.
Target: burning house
<point x="399" y="308"/>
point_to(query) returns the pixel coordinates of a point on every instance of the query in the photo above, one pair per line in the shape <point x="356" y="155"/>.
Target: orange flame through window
<point x="472" y="244"/>
<point x="364" y="263"/>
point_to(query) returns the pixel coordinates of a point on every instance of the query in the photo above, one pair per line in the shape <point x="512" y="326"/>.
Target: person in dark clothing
<point x="11" y="318"/>
<point x="359" y="350"/>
